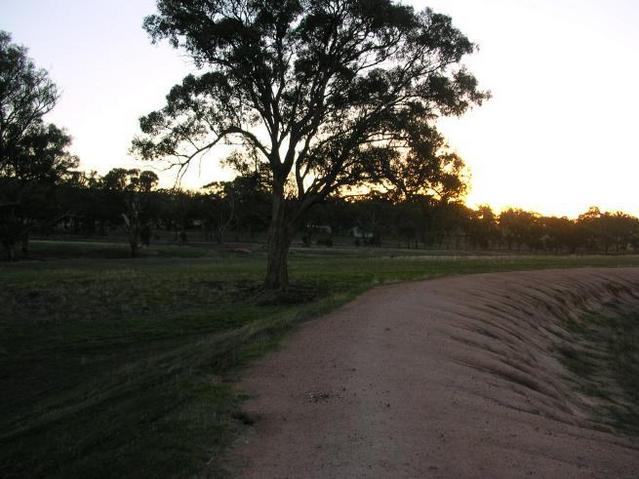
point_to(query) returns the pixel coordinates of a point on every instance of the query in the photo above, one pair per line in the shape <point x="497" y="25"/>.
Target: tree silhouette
<point x="128" y="192"/>
<point x="33" y="155"/>
<point x="330" y="94"/>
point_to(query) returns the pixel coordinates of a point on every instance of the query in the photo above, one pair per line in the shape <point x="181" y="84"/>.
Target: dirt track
<point x="451" y="378"/>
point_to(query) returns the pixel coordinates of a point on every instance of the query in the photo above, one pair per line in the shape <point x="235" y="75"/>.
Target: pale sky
<point x="558" y="135"/>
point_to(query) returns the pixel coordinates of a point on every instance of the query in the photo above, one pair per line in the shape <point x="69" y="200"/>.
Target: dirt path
<point x="451" y="378"/>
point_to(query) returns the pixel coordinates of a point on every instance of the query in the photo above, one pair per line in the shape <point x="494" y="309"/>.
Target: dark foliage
<point x="329" y="95"/>
<point x="33" y="155"/>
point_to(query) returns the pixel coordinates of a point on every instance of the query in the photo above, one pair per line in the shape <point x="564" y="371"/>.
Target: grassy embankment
<point x="605" y="358"/>
<point x="112" y="367"/>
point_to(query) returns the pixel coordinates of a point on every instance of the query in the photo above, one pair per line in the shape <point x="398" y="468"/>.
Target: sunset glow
<point x="557" y="136"/>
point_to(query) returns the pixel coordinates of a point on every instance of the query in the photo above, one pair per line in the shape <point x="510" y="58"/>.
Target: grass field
<point x="113" y="367"/>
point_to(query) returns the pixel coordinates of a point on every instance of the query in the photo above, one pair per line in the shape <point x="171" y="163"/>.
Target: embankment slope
<point x="457" y="377"/>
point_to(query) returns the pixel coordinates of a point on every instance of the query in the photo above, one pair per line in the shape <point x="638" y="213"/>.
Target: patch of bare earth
<point x="451" y="378"/>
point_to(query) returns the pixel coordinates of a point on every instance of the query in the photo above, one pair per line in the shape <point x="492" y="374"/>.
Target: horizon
<point x="554" y="108"/>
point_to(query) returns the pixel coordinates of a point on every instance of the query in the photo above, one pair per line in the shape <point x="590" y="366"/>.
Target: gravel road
<point x="450" y="378"/>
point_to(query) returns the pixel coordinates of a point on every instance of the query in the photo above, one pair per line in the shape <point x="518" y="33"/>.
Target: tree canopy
<point x="330" y="94"/>
<point x="33" y="155"/>
<point x="26" y="95"/>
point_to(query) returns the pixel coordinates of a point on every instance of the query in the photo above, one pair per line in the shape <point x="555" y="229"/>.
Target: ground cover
<point x="117" y="367"/>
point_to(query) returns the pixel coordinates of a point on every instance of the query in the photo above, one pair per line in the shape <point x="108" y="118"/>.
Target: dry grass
<point x="117" y="367"/>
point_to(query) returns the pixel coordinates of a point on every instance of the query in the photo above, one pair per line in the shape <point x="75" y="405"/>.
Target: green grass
<point x="117" y="367"/>
<point x="102" y="249"/>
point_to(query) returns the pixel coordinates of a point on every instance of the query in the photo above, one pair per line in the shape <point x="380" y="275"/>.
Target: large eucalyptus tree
<point x="331" y="94"/>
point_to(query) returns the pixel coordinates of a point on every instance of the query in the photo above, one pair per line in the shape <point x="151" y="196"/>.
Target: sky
<point x="558" y="135"/>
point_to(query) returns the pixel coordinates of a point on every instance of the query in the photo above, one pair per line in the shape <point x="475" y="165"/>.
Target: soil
<point x="450" y="378"/>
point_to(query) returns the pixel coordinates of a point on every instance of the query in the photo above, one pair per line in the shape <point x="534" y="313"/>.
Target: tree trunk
<point x="279" y="241"/>
<point x="10" y="251"/>
<point x="134" y="249"/>
<point x="25" y="245"/>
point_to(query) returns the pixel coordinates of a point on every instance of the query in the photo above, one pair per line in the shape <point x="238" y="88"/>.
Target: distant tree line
<point x="127" y="204"/>
<point x="426" y="223"/>
<point x="414" y="200"/>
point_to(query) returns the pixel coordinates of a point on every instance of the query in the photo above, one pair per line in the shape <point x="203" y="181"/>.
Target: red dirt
<point x="450" y="378"/>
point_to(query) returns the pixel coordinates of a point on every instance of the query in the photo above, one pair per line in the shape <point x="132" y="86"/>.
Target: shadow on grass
<point x="168" y="413"/>
<point x="112" y="368"/>
<point x="604" y="356"/>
